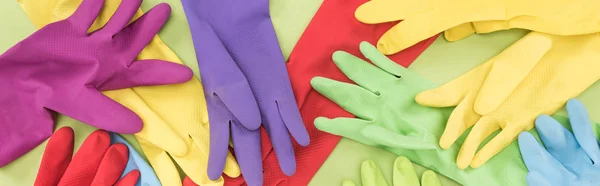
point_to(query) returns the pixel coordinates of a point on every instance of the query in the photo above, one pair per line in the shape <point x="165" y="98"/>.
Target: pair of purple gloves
<point x="245" y="83"/>
<point x="62" y="68"/>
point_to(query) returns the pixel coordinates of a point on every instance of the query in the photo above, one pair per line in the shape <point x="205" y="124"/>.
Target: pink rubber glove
<point x="61" y="68"/>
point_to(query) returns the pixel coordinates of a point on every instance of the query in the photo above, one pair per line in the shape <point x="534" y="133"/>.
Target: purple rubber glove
<point x="61" y="68"/>
<point x="245" y="82"/>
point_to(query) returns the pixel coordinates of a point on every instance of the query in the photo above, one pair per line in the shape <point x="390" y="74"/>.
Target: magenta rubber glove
<point x="62" y="68"/>
<point x="245" y="83"/>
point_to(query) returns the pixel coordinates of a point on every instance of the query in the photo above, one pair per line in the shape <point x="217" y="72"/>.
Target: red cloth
<point x="332" y="28"/>
<point x="97" y="162"/>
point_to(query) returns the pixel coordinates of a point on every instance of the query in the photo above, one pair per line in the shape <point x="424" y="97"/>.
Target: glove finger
<point x="194" y="165"/>
<point x="373" y="12"/>
<point x="112" y="165"/>
<point x="161" y="163"/>
<point x="534" y="179"/>
<point x="281" y="141"/>
<point x="240" y="101"/>
<point x="288" y="110"/>
<point x="537" y="158"/>
<point x="148" y="73"/>
<point x="560" y="142"/>
<point x="348" y="183"/>
<point x="361" y="72"/>
<point x="459" y="32"/>
<point x="135" y="164"/>
<point x="345" y="127"/>
<point x="87" y="160"/>
<point x="412" y="31"/>
<point x="371" y="175"/>
<point x="388" y="138"/>
<point x="496" y="145"/>
<point x="56" y="158"/>
<point x="582" y="129"/>
<point x="232" y="91"/>
<point x="404" y="172"/>
<point x="130" y="179"/>
<point x="481" y="130"/>
<point x="383" y="62"/>
<point x="133" y="38"/>
<point x="154" y="125"/>
<point x="232" y="169"/>
<point x="429" y="178"/>
<point x="121" y="17"/>
<point x="455" y="91"/>
<point x="498" y="86"/>
<point x="86" y="14"/>
<point x="219" y="147"/>
<point x="107" y="114"/>
<point x="462" y="118"/>
<point x="352" y="98"/>
<point x="246" y="145"/>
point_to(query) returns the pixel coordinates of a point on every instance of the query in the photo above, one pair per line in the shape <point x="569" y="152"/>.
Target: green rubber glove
<point x="404" y="175"/>
<point x="389" y="117"/>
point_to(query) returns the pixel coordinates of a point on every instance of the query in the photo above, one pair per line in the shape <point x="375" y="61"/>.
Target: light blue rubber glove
<point x="147" y="175"/>
<point x="568" y="158"/>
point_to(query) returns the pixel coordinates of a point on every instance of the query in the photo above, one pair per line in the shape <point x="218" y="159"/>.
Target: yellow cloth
<point x="175" y="116"/>
<point x="536" y="75"/>
<point x="423" y="19"/>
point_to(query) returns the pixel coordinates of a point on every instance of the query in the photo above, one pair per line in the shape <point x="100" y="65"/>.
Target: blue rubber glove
<point x="568" y="158"/>
<point x="147" y="175"/>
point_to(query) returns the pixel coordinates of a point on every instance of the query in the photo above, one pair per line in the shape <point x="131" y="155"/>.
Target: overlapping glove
<point x="568" y="158"/>
<point x="175" y="116"/>
<point x="332" y="28"/>
<point x="389" y="117"/>
<point x="534" y="76"/>
<point x="246" y="84"/>
<point x="136" y="162"/>
<point x="61" y="68"/>
<point x="403" y="175"/>
<point x="423" y="19"/>
<point x="97" y="162"/>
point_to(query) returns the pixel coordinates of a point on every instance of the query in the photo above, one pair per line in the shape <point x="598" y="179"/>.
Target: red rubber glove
<point x="188" y="182"/>
<point x="97" y="162"/>
<point x="332" y="28"/>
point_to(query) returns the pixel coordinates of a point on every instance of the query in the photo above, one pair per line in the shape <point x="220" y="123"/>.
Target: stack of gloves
<point x="252" y="119"/>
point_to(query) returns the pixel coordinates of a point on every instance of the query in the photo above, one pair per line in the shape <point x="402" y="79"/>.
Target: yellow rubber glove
<point x="423" y="19"/>
<point x="534" y="76"/>
<point x="175" y="116"/>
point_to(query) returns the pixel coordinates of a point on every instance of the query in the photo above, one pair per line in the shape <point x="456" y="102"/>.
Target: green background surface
<point x="440" y="63"/>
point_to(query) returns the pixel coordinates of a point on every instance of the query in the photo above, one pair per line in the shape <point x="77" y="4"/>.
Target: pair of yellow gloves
<point x="175" y="116"/>
<point x="536" y="75"/>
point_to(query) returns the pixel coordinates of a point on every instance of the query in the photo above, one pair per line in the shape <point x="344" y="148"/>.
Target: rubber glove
<point x="237" y="38"/>
<point x="333" y="27"/>
<point x="489" y="100"/>
<point x="62" y="69"/>
<point x="481" y="27"/>
<point x="168" y="129"/>
<point x="97" y="162"/>
<point x="136" y="162"/>
<point x="569" y="158"/>
<point x="403" y="175"/>
<point x="425" y="19"/>
<point x="388" y="117"/>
